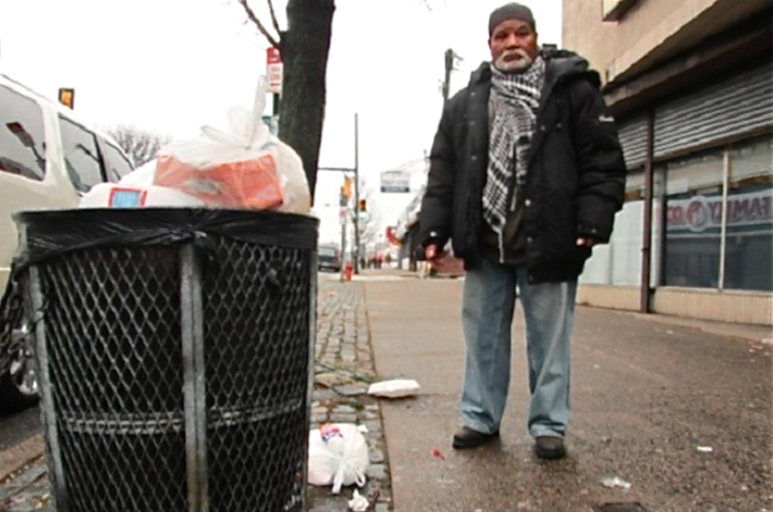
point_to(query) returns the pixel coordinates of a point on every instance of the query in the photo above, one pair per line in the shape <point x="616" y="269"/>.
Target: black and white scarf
<point x="515" y="100"/>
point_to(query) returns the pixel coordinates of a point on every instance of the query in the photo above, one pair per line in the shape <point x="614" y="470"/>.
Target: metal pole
<point x="646" y="250"/>
<point x="449" y="66"/>
<point x="723" y="229"/>
<point x="313" y="284"/>
<point x="194" y="387"/>
<point x="49" y="414"/>
<point x="356" y="195"/>
<point x="275" y="117"/>
<point x="343" y="239"/>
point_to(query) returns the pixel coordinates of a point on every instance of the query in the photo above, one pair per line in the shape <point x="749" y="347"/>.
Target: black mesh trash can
<point x="175" y="351"/>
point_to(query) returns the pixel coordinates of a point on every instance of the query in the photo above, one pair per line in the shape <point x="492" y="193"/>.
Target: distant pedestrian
<point x="526" y="174"/>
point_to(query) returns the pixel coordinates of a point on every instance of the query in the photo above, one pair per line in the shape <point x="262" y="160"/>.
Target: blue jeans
<point x="487" y="319"/>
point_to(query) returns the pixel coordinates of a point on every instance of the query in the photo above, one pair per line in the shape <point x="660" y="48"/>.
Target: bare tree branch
<point x="139" y="145"/>
<point x="251" y="15"/>
<point x="273" y="17"/>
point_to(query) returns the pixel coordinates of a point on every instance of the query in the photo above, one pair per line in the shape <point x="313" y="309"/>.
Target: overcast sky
<point x="173" y="65"/>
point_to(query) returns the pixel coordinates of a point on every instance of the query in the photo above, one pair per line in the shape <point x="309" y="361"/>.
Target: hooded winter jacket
<point x="574" y="184"/>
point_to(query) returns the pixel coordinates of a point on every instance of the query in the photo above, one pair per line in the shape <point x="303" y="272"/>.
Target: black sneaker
<point x="550" y="447"/>
<point x="469" y="438"/>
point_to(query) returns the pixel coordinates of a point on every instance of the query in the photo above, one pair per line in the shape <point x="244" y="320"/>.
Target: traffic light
<point x="346" y="189"/>
<point x="363" y="205"/>
<point x="67" y="97"/>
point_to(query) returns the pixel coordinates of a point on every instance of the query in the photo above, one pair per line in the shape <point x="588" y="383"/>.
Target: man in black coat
<point x="525" y="178"/>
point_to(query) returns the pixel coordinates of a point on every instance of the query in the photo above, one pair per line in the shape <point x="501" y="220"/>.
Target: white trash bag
<point x="142" y="176"/>
<point x="118" y="195"/>
<point x="243" y="166"/>
<point x="338" y="456"/>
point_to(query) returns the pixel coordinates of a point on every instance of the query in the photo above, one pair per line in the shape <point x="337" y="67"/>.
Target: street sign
<point x="274" y="70"/>
<point x="342" y="216"/>
<point x="395" y="181"/>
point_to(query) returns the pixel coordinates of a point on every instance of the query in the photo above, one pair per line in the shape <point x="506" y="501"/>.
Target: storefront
<point x="707" y="248"/>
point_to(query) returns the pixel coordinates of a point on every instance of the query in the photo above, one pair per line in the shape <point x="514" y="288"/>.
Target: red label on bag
<point x="328" y="432"/>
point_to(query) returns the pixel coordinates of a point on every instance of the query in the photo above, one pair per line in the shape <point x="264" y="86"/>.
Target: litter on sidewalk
<point x="615" y="482"/>
<point x="705" y="449"/>
<point x="358" y="503"/>
<point x="397" y="388"/>
<point x="338" y="455"/>
<point x="438" y="454"/>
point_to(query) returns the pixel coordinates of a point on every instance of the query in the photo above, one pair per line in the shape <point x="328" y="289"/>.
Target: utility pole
<point x="356" y="195"/>
<point x="343" y="240"/>
<point x="451" y="57"/>
<point x="355" y="220"/>
<point x="449" y="67"/>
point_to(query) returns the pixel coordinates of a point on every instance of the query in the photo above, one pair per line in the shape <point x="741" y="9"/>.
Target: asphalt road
<point x="15" y="428"/>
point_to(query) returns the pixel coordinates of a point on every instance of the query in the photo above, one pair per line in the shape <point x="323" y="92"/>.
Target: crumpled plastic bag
<point x="242" y="167"/>
<point x="358" y="503"/>
<point x="338" y="456"/>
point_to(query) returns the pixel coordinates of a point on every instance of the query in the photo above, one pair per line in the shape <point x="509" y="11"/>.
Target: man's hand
<point x="585" y="241"/>
<point x="432" y="253"/>
<point x="442" y="261"/>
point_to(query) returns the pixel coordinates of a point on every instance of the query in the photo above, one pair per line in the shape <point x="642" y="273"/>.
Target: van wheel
<point x="19" y="387"/>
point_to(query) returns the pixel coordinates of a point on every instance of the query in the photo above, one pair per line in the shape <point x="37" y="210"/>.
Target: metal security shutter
<point x="633" y="138"/>
<point x="732" y="107"/>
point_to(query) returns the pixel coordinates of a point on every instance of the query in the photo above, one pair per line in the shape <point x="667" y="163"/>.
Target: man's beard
<point x="514" y="66"/>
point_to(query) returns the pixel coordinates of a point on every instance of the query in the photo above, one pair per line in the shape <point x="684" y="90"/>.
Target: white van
<point x="48" y="159"/>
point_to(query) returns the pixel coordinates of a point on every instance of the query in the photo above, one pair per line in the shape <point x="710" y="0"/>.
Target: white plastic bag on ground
<point x="338" y="456"/>
<point x="397" y="388"/>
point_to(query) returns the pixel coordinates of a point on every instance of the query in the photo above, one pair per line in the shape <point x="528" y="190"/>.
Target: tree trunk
<point x="305" y="47"/>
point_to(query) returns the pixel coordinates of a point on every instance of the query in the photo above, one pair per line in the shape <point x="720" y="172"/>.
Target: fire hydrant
<point x="348" y="271"/>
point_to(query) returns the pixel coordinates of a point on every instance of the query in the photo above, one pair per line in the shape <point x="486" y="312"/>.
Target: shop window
<point x="749" y="241"/>
<point x="693" y="220"/>
<point x="619" y="262"/>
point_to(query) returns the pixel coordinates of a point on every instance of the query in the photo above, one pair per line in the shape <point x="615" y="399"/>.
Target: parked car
<point x="329" y="258"/>
<point x="49" y="157"/>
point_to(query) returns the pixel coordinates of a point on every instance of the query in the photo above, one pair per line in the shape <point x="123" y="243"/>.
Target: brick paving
<point x="343" y="373"/>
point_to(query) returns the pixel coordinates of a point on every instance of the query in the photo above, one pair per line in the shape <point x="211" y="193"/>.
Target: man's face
<point x="513" y="46"/>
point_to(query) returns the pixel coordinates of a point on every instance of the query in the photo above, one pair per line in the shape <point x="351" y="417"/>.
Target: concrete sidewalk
<point x="651" y="396"/>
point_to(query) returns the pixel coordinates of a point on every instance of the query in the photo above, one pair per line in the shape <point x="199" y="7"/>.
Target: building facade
<point x="690" y="83"/>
